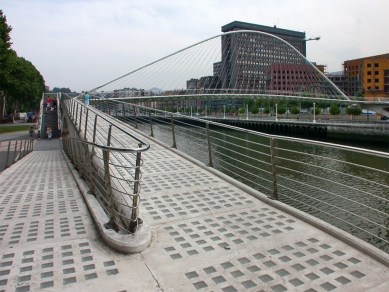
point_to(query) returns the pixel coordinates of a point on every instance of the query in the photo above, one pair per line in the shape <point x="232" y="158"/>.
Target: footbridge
<point x="133" y="198"/>
<point x="228" y="70"/>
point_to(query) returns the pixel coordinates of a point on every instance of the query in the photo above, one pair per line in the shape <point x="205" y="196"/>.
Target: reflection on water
<point x="347" y="189"/>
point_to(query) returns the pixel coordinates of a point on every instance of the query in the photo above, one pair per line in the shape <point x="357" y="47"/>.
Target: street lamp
<point x="314" y="113"/>
<point x="276" y="114"/>
<point x="247" y="111"/>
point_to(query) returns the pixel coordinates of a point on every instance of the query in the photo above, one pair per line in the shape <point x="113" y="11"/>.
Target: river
<point x="348" y="189"/>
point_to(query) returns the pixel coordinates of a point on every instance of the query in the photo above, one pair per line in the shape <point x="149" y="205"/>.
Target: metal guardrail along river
<point x="12" y="151"/>
<point x="108" y="158"/>
<point x="345" y="186"/>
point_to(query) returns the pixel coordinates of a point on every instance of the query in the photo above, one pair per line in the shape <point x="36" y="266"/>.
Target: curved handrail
<point x="113" y="122"/>
<point x="110" y="148"/>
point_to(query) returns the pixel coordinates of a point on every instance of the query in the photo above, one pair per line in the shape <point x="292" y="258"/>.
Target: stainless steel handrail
<point x="102" y="151"/>
<point x="19" y="149"/>
<point x="345" y="186"/>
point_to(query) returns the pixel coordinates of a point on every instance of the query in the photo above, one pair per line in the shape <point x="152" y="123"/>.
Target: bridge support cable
<point x="237" y="64"/>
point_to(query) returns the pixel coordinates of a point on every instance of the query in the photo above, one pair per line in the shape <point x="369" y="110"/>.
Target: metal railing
<point x="108" y="157"/>
<point x="12" y="151"/>
<point x="345" y="186"/>
<point x="290" y="119"/>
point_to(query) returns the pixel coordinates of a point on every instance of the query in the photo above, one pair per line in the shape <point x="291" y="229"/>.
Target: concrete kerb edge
<point x="334" y="231"/>
<point x="125" y="243"/>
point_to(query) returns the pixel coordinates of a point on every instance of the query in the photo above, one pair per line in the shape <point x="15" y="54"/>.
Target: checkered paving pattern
<point x="48" y="241"/>
<point x="208" y="235"/>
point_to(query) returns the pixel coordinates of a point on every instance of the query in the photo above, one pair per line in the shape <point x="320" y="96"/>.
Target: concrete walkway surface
<point x="208" y="235"/>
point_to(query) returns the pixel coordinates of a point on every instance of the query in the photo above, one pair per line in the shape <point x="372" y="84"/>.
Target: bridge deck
<point x="208" y="235"/>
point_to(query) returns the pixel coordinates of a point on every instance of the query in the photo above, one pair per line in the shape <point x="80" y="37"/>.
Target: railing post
<point x="24" y="149"/>
<point x="81" y="111"/>
<point x="173" y="133"/>
<point x="86" y="123"/>
<point x="16" y="145"/>
<point x="124" y="113"/>
<point x="90" y="158"/>
<point x="111" y="224"/>
<point x="136" y="123"/>
<point x="72" y="105"/>
<point x="75" y="120"/>
<point x="9" y="148"/>
<point x="135" y="200"/>
<point x="116" y="110"/>
<point x="210" y="163"/>
<point x="151" y="125"/>
<point x="273" y="170"/>
<point x="20" y="150"/>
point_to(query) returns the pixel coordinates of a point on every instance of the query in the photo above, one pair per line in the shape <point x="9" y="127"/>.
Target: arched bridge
<point x="228" y="68"/>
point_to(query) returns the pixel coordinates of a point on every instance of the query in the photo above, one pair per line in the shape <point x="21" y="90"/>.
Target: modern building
<point x="369" y="76"/>
<point x="295" y="38"/>
<point x="258" y="63"/>
<point x="339" y="79"/>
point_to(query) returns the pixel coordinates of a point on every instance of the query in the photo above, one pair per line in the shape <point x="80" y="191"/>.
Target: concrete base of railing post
<point x="125" y="243"/>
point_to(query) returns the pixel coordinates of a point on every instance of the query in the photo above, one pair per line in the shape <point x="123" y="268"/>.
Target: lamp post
<point x="247" y="111"/>
<point x="276" y="114"/>
<point x="314" y="113"/>
<point x="224" y="111"/>
<point x="206" y="111"/>
<point x="190" y="111"/>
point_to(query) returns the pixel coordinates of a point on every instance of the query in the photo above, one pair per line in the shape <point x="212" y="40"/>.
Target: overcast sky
<point x="81" y="44"/>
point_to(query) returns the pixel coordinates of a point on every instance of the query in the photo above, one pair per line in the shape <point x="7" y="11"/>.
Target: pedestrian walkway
<point x="208" y="235"/>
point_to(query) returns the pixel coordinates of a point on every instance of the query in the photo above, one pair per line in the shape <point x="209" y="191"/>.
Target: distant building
<point x="246" y="57"/>
<point x="369" y="75"/>
<point x="339" y="79"/>
<point x="248" y="60"/>
<point x="295" y="38"/>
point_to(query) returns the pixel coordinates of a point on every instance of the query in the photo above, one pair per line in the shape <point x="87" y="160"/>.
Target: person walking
<point x="31" y="132"/>
<point x="49" y="132"/>
<point x="86" y="98"/>
<point x="48" y="103"/>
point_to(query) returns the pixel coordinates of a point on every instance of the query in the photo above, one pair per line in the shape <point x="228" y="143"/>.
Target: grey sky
<point x="81" y="44"/>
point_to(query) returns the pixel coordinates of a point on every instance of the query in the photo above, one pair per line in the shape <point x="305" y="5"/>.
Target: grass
<point x="18" y="128"/>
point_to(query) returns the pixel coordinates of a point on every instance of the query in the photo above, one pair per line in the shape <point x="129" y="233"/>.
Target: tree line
<point x="21" y="84"/>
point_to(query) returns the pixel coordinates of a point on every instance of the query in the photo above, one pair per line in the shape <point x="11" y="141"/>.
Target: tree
<point x="295" y="110"/>
<point x="63" y="89"/>
<point x="317" y="111"/>
<point x="249" y="102"/>
<point x="353" y="111"/>
<point x="334" y="110"/>
<point x="20" y="82"/>
<point x="281" y="109"/>
<point x="242" y="110"/>
<point x="5" y="44"/>
<point x="254" y="109"/>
